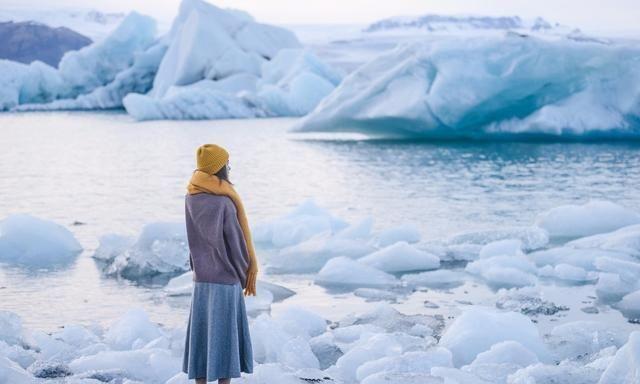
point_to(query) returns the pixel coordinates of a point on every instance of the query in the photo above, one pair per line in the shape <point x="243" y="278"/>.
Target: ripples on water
<point x="114" y="175"/>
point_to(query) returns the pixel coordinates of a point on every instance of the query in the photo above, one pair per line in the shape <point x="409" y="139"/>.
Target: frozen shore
<point x="516" y="335"/>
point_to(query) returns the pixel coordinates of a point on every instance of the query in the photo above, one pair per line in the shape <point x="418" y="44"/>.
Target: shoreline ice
<point x="376" y="342"/>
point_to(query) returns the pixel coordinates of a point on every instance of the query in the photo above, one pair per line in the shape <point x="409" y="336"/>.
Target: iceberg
<point x="80" y="72"/>
<point x="212" y="64"/>
<point x="302" y="223"/>
<point x="220" y="64"/>
<point x="401" y="257"/>
<point x="500" y="87"/>
<point x="589" y="219"/>
<point x="31" y="242"/>
<point x="478" y="329"/>
<point x="504" y="271"/>
<point x="625" y="367"/>
<point x="161" y="248"/>
<point x="343" y="271"/>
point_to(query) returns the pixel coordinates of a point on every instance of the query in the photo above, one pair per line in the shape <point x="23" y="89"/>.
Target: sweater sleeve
<point x="235" y="243"/>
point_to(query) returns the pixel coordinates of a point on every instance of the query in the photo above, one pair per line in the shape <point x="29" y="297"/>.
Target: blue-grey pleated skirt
<point x="218" y="343"/>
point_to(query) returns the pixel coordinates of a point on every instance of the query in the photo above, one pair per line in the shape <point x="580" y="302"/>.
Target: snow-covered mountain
<point x="89" y="22"/>
<point x="28" y="41"/>
<point x="452" y="23"/>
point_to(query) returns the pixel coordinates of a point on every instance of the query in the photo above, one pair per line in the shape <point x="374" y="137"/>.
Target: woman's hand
<point x="252" y="276"/>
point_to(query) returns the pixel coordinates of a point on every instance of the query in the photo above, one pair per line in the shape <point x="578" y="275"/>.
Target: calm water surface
<point x="114" y="175"/>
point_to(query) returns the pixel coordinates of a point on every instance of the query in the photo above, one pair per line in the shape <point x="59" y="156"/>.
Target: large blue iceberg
<point x="490" y="87"/>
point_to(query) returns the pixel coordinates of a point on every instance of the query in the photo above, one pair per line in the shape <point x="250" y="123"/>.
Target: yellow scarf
<point x="202" y="182"/>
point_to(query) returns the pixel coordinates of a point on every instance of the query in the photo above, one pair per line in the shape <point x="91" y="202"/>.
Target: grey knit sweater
<point x="218" y="252"/>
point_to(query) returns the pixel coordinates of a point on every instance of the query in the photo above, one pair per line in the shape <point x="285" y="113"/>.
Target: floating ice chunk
<point x="302" y="223"/>
<point x="111" y="246"/>
<point x="180" y="285"/>
<point x="271" y="343"/>
<point x="11" y="372"/>
<point x="570" y="273"/>
<point x="36" y="243"/>
<point x="487" y="87"/>
<point x="508" y="247"/>
<point x="630" y="305"/>
<point x="160" y="248"/>
<point x="405" y="232"/>
<point x="347" y="272"/>
<point x="401" y="257"/>
<point x="506" y="352"/>
<point x="532" y="237"/>
<point x="299" y="321"/>
<point x="133" y="328"/>
<point x="409" y="362"/>
<point x="442" y="278"/>
<point x="347" y="334"/>
<point x="152" y="365"/>
<point x="583" y="258"/>
<point x="629" y="271"/>
<point x="371" y="348"/>
<point x="477" y="329"/>
<point x="503" y="359"/>
<point x="625" y="367"/>
<point x="51" y="348"/>
<point x="611" y="288"/>
<point x="625" y="240"/>
<point x="504" y="271"/>
<point x="360" y="230"/>
<point x="583" y="338"/>
<point x="11" y="330"/>
<point x="76" y="335"/>
<point x="585" y="220"/>
<point x="17" y="353"/>
<point x="619" y="277"/>
<point x="312" y="254"/>
<point x="326" y="349"/>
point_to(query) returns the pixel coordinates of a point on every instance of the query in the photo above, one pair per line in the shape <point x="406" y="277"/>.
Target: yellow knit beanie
<point x="211" y="158"/>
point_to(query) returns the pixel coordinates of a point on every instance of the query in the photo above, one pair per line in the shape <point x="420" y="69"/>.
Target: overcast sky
<point x="615" y="15"/>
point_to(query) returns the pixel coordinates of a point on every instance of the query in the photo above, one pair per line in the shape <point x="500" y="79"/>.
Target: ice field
<point x="381" y="261"/>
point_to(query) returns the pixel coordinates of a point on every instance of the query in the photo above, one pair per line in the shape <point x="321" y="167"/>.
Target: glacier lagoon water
<point x="100" y="173"/>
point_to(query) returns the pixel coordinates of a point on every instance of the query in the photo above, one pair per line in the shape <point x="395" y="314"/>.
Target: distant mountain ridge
<point x="435" y="23"/>
<point x="28" y="41"/>
<point x="90" y="22"/>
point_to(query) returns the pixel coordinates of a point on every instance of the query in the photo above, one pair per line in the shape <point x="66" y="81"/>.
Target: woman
<point x="218" y="344"/>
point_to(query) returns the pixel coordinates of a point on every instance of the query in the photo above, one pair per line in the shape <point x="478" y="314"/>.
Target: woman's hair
<point x="223" y="174"/>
